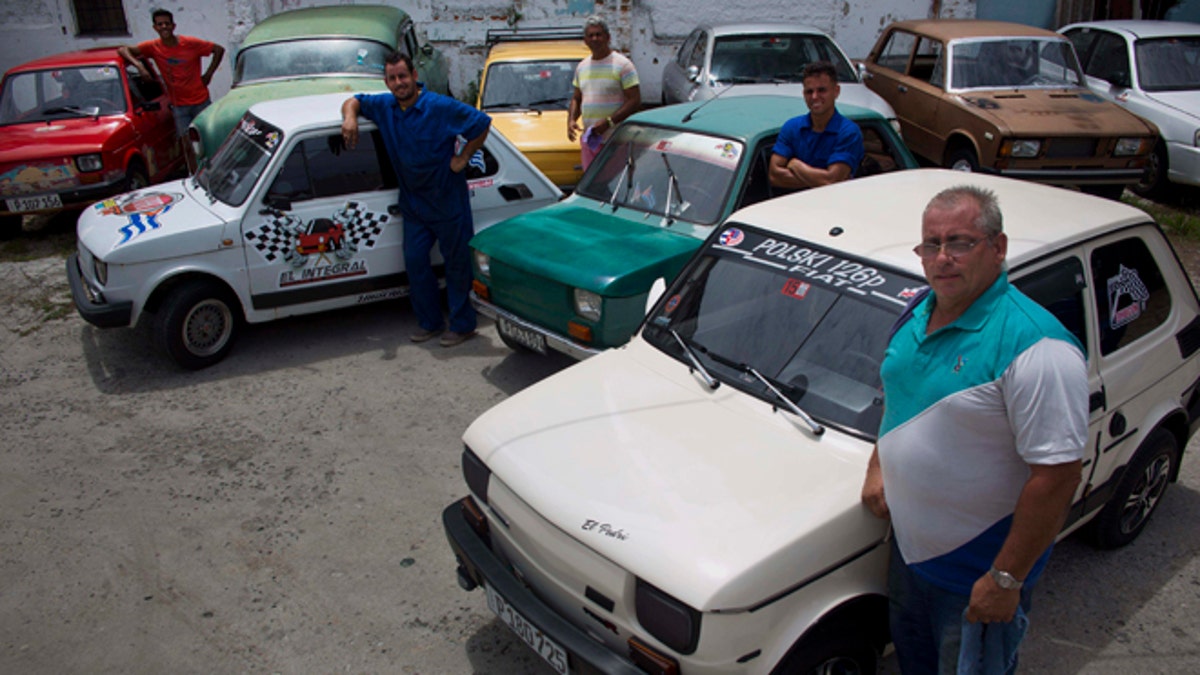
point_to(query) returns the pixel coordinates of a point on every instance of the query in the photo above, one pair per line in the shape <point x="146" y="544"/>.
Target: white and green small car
<point x="690" y="502"/>
<point x="283" y="220"/>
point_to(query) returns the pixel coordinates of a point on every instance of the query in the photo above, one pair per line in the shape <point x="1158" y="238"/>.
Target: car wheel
<point x="1138" y="494"/>
<point x="844" y="654"/>
<point x="196" y="324"/>
<point x="135" y="178"/>
<point x="1154" y="184"/>
<point x="962" y="159"/>
<point x="11" y="226"/>
<point x="1112" y="192"/>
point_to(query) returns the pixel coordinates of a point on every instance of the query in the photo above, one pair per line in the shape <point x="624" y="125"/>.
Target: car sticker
<point x="480" y="183"/>
<point x="699" y="147"/>
<point x="672" y="303"/>
<point x="47" y="177"/>
<point x="322" y="249"/>
<point x="731" y="237"/>
<point x="1127" y="297"/>
<point x="794" y="288"/>
<point x="141" y="210"/>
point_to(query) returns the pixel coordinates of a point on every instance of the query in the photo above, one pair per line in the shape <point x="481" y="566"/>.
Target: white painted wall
<point x="647" y="30"/>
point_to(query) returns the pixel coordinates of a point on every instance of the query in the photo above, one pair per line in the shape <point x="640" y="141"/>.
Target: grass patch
<point x="1181" y="220"/>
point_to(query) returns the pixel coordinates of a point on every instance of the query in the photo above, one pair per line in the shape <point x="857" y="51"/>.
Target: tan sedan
<point x="1005" y="98"/>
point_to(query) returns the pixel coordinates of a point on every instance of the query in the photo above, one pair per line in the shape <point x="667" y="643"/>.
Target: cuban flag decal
<point x="731" y="237"/>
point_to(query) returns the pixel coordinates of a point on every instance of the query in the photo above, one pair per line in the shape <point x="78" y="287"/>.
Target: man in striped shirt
<point x="606" y="91"/>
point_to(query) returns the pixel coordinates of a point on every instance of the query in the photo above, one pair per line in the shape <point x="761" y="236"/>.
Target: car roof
<point x="302" y="112"/>
<point x="1142" y="29"/>
<point x="537" y="50"/>
<point x="376" y="22"/>
<point x="763" y="28"/>
<point x="951" y="29"/>
<point x="85" y="57"/>
<point x="879" y="217"/>
<point x="742" y="117"/>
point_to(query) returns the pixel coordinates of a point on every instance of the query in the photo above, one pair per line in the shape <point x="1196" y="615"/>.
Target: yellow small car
<point x="526" y="88"/>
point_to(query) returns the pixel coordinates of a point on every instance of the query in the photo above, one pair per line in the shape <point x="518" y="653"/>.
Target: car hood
<point x="714" y="482"/>
<point x="1054" y="111"/>
<point x="169" y="220"/>
<point x="582" y="243"/>
<point x="58" y="138"/>
<point x="534" y="131"/>
<point x="1184" y="102"/>
<point x="852" y="94"/>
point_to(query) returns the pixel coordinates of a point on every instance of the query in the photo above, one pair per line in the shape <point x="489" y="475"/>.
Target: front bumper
<point x="73" y="199"/>
<point x="477" y="564"/>
<point x="1183" y="164"/>
<point x="96" y="312"/>
<point x="555" y="341"/>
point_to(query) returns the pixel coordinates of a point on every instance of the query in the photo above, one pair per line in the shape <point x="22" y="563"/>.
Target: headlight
<point x="89" y="162"/>
<point x="587" y="304"/>
<point x="483" y="263"/>
<point x="194" y="139"/>
<point x="100" y="268"/>
<point x="1128" y="146"/>
<point x="1024" y="147"/>
<point x="670" y="621"/>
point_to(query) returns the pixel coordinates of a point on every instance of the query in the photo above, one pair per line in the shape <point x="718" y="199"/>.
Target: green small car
<point x="318" y="50"/>
<point x="574" y="276"/>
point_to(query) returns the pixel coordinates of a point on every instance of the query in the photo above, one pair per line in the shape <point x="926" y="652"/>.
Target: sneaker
<point x="451" y="338"/>
<point x="423" y="335"/>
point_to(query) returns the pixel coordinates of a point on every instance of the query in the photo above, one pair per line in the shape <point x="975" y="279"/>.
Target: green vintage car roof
<point x="376" y="22"/>
<point x="742" y="117"/>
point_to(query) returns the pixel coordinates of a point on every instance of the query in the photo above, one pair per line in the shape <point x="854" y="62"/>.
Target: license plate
<point x="522" y="336"/>
<point x="533" y="636"/>
<point x="34" y="203"/>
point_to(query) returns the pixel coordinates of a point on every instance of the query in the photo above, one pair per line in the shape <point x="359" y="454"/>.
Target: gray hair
<point x="990" y="221"/>
<point x="596" y="20"/>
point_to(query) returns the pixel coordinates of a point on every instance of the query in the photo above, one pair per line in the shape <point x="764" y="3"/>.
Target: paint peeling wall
<point x="647" y="30"/>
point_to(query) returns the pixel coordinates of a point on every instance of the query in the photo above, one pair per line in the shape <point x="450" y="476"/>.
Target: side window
<point x="696" y="58"/>
<point x="324" y="167"/>
<point x="758" y="185"/>
<point x="685" y="50"/>
<point x="482" y="165"/>
<point x="407" y="44"/>
<point x="143" y="90"/>
<point x="1109" y="58"/>
<point x="928" y="65"/>
<point x="1130" y="295"/>
<point x="897" y="50"/>
<point x="879" y="153"/>
<point x="1060" y="289"/>
<point x="1082" y="41"/>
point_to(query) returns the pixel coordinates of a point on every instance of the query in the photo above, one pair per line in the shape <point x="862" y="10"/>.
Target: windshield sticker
<point x="804" y="262"/>
<point x="1126" y="291"/>
<point x="672" y="303"/>
<point x="728" y="151"/>
<point x="723" y="153"/>
<point x="262" y="134"/>
<point x="794" y="288"/>
<point x="141" y="209"/>
<point x="322" y="249"/>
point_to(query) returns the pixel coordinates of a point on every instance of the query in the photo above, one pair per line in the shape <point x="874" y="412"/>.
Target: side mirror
<point x="656" y="290"/>
<point x="427" y="49"/>
<point x="693" y="73"/>
<point x="861" y="69"/>
<point x="279" y="202"/>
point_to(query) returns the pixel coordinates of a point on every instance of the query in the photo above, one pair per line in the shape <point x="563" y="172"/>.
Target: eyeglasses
<point x="955" y="248"/>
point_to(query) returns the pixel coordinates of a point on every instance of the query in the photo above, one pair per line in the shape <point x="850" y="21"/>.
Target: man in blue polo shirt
<point x="978" y="457"/>
<point x="820" y="147"/>
<point x="420" y="130"/>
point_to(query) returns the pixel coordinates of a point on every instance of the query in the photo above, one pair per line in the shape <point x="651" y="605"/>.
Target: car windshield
<point x="677" y="174"/>
<point x="1008" y="63"/>
<point x="812" y="321"/>
<point x="1169" y="64"/>
<point x="235" y="168"/>
<point x="303" y="58"/>
<point x="85" y="91"/>
<point x="529" y="85"/>
<point x="743" y="59"/>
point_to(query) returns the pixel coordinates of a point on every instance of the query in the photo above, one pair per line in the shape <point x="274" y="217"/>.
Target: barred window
<point x="100" y="17"/>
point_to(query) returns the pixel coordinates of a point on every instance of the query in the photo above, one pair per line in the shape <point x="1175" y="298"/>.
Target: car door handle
<point x="517" y="192"/>
<point x="1096" y="401"/>
<point x="902" y="89"/>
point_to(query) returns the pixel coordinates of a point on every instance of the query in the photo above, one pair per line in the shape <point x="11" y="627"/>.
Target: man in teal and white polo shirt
<point x="978" y="458"/>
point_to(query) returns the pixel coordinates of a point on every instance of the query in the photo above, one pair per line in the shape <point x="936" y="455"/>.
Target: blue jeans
<point x="451" y="238"/>
<point x="926" y="622"/>
<point x="184" y="114"/>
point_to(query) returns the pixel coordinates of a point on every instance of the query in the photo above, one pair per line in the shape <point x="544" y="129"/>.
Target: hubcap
<point x="1145" y="494"/>
<point x="207" y="327"/>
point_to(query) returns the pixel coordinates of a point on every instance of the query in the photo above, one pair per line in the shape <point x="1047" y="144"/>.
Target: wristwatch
<point x="1005" y="580"/>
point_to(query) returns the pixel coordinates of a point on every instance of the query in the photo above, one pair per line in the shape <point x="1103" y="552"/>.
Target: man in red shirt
<point x="178" y="60"/>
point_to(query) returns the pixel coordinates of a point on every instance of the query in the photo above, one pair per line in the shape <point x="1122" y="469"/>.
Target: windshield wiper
<point x="548" y="101"/>
<point x="672" y="190"/>
<point x="687" y="350"/>
<point x="791" y="405"/>
<point x="626" y="173"/>
<point x="82" y="112"/>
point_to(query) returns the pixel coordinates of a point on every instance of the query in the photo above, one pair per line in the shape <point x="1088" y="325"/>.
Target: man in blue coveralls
<point x="820" y="147"/>
<point x="420" y="131"/>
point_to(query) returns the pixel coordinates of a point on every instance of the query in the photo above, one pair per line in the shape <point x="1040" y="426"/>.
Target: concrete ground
<point x="279" y="512"/>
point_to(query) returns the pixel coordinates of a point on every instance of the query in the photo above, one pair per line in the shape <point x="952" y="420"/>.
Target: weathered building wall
<point x="648" y="30"/>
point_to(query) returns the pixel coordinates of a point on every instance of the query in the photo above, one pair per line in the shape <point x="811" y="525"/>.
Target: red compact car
<point x="76" y="128"/>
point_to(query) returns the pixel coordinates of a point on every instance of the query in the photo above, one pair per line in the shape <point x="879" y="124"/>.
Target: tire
<point x="1154" y="184"/>
<point x="1112" y="192"/>
<point x="962" y="159"/>
<point x="135" y="178"/>
<point x="11" y="226"/>
<point x="197" y="324"/>
<point x="1138" y="494"/>
<point x="836" y="654"/>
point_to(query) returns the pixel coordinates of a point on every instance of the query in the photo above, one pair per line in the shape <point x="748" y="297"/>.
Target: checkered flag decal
<point x="273" y="238"/>
<point x="363" y="227"/>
